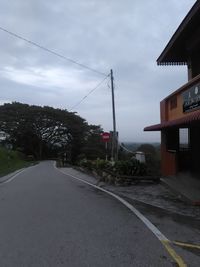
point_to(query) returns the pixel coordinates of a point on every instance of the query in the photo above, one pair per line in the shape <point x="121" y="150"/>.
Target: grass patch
<point x="11" y="161"/>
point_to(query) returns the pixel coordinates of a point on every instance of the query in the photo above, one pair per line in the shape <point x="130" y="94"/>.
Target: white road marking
<point x="152" y="227"/>
<point x="161" y="237"/>
<point x="15" y="175"/>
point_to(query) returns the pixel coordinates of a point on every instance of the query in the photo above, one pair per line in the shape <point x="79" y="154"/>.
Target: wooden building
<point x="180" y="111"/>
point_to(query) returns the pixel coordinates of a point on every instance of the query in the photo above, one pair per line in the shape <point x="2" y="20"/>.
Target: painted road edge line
<point x="173" y="253"/>
<point x="15" y="175"/>
<point x="162" y="238"/>
<point x="183" y="244"/>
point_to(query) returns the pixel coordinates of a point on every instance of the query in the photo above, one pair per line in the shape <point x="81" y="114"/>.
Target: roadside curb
<point x="105" y="186"/>
<point x="181" y="196"/>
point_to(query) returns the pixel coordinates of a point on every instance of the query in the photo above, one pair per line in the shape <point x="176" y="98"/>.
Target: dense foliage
<point x="46" y="132"/>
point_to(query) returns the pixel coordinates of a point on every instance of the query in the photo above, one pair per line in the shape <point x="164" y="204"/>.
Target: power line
<point x="126" y="149"/>
<point x="77" y="104"/>
<point x="51" y="51"/>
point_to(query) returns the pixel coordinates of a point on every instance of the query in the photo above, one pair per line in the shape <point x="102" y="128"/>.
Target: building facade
<point x="180" y="111"/>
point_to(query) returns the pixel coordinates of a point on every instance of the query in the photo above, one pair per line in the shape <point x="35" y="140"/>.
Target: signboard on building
<point x="191" y="98"/>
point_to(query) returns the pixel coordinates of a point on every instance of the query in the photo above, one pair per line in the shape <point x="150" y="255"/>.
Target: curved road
<point x="49" y="219"/>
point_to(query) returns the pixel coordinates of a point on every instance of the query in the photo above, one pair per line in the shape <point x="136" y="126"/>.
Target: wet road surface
<point x="49" y="219"/>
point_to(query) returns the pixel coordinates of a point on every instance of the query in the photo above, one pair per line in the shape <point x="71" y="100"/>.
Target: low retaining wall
<point x="111" y="178"/>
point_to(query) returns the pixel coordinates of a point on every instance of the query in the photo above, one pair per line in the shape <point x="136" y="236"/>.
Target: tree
<point x="93" y="146"/>
<point x="42" y="131"/>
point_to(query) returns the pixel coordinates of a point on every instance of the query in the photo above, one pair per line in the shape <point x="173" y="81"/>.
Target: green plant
<point x="129" y="167"/>
<point x="11" y="160"/>
<point x="123" y="167"/>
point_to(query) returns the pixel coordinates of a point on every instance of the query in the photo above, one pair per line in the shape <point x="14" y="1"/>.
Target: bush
<point x="129" y="167"/>
<point x="86" y="164"/>
<point x="101" y="164"/>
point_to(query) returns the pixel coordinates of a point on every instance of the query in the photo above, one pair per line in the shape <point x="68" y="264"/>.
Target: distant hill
<point x="134" y="145"/>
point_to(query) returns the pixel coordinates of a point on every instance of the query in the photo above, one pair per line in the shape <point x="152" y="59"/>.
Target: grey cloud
<point x="127" y="36"/>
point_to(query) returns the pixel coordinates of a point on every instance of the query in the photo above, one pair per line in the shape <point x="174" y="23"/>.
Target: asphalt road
<point x="49" y="219"/>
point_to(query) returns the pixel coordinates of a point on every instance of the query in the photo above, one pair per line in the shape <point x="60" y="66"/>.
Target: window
<point x="172" y="141"/>
<point x="184" y="138"/>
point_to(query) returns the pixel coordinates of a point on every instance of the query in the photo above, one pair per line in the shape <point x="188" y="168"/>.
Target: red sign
<point x="105" y="137"/>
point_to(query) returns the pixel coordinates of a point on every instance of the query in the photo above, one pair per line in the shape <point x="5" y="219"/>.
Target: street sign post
<point x="106" y="138"/>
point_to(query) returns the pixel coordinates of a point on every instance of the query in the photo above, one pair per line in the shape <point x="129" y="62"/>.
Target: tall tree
<point x="42" y="130"/>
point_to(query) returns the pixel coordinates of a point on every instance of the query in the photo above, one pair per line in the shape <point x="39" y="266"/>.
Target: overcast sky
<point x="127" y="36"/>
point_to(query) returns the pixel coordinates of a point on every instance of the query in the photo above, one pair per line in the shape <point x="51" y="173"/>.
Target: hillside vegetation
<point x="11" y="161"/>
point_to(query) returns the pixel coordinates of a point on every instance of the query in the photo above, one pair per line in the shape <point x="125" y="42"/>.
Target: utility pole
<point x="114" y="151"/>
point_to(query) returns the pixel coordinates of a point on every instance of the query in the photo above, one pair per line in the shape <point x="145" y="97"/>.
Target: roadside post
<point x="114" y="151"/>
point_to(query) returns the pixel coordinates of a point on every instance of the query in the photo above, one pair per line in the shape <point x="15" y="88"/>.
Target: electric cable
<point x="91" y="91"/>
<point x="51" y="51"/>
<point x="126" y="149"/>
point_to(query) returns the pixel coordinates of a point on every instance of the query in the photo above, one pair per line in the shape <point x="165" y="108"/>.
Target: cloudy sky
<point x="127" y="36"/>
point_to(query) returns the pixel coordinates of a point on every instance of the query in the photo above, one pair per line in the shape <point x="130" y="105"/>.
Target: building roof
<point x="176" y="53"/>
<point x="186" y="121"/>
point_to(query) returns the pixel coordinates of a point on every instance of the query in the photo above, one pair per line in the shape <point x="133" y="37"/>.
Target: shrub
<point x="128" y="167"/>
<point x="101" y="164"/>
<point x="86" y="164"/>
